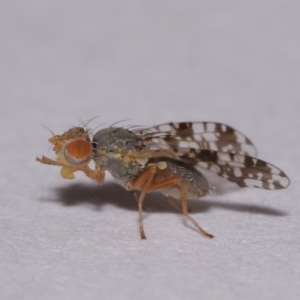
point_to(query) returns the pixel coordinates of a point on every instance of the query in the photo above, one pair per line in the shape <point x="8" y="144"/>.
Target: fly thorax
<point x="113" y="150"/>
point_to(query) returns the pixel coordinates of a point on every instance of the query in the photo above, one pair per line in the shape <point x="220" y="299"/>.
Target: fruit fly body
<point x="165" y="158"/>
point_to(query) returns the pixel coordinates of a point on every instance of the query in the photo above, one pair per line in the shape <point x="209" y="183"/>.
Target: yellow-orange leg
<point x="48" y="161"/>
<point x="174" y="204"/>
<point x="145" y="180"/>
<point x="175" y="181"/>
<point x="97" y="175"/>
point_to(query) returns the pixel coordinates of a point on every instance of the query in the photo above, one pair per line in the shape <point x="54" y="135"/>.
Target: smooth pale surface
<point x="236" y="62"/>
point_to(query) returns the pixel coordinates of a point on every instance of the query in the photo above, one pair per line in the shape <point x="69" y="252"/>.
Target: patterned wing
<point x="245" y="171"/>
<point x="199" y="135"/>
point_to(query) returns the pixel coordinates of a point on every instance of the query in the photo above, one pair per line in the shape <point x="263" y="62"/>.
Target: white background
<point x="151" y="62"/>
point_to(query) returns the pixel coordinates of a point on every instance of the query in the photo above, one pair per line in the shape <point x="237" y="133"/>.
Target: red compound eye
<point x="79" y="149"/>
<point x="77" y="152"/>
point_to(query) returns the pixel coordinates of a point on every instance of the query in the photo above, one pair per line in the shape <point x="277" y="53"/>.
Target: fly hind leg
<point x="146" y="183"/>
<point x="175" y="181"/>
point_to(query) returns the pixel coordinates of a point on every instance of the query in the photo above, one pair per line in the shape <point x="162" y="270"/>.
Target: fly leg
<point x="174" y="204"/>
<point x="67" y="171"/>
<point x="146" y="184"/>
<point x="144" y="181"/>
<point x="175" y="181"/>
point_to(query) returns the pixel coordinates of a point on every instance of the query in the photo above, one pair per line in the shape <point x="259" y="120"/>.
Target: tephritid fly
<point x="165" y="158"/>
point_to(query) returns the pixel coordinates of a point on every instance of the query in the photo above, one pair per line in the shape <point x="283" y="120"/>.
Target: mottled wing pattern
<point x="245" y="171"/>
<point x="199" y="135"/>
<point x="219" y="148"/>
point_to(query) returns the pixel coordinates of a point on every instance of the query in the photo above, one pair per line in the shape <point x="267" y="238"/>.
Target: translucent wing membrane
<point x="199" y="135"/>
<point x="219" y="148"/>
<point x="245" y="171"/>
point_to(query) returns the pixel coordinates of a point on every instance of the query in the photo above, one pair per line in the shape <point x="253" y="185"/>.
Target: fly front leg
<point x="97" y="175"/>
<point x="144" y="181"/>
<point x="67" y="171"/>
